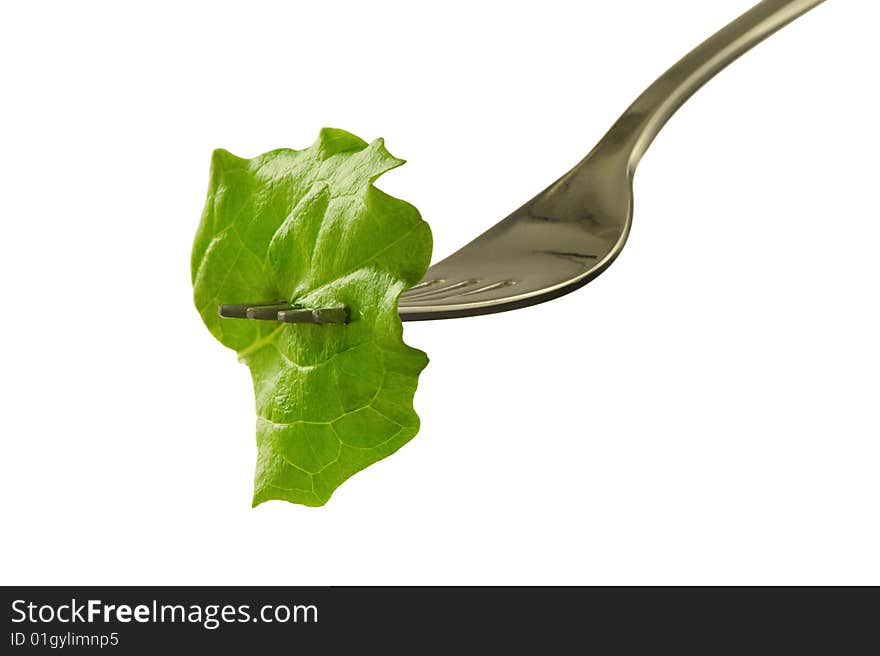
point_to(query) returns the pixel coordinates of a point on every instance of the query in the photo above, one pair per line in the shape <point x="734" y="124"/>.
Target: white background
<point x="704" y="412"/>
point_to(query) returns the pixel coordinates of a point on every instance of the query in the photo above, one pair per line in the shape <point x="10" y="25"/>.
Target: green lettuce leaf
<point x="309" y="227"/>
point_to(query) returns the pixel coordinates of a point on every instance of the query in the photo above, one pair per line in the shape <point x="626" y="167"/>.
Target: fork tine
<point x="296" y="316"/>
<point x="267" y="312"/>
<point x="239" y="310"/>
<point x="284" y="312"/>
<point x="331" y="315"/>
<point x="319" y="316"/>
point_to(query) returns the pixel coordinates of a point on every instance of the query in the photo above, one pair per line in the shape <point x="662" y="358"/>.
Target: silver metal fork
<point x="573" y="230"/>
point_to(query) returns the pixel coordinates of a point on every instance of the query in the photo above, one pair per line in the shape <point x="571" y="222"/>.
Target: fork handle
<point x="636" y="128"/>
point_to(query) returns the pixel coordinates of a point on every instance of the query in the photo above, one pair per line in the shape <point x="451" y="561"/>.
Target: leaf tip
<point x="312" y="499"/>
<point x="332" y="141"/>
<point x="383" y="160"/>
<point x="222" y="159"/>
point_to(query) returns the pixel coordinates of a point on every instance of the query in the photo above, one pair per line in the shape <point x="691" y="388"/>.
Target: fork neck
<point x="636" y="128"/>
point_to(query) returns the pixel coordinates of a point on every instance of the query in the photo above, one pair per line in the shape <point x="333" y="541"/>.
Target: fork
<point x="573" y="230"/>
